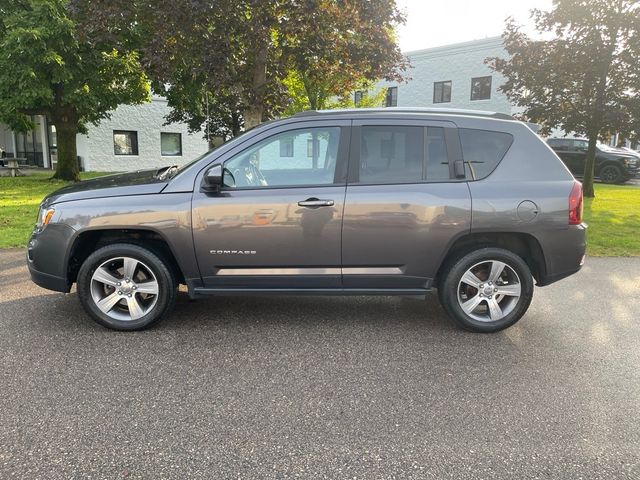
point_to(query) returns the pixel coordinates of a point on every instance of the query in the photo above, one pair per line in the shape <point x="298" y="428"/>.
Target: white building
<point x="452" y="76"/>
<point x="135" y="137"/>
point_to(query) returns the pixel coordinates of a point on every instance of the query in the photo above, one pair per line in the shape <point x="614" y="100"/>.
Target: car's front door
<point x="276" y="223"/>
<point x="403" y="208"/>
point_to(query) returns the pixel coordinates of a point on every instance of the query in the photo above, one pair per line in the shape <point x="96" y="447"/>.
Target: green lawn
<point x="19" y="200"/>
<point x="613" y="216"/>
<point x="614" y="221"/>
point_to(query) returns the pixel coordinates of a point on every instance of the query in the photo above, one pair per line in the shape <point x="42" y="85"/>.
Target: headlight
<point x="44" y="217"/>
<point x="630" y="162"/>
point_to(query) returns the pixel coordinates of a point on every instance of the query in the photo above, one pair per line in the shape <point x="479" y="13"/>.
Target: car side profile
<point x="612" y="165"/>
<point x="352" y="202"/>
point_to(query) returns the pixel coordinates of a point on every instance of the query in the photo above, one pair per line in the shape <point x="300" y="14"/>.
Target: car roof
<point x="405" y="110"/>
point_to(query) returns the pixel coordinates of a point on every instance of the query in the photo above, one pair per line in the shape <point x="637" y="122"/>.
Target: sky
<point x="432" y="23"/>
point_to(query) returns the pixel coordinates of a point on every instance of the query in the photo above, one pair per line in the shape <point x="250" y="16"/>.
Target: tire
<point x="112" y="300"/>
<point x="456" y="289"/>
<point x="610" y="174"/>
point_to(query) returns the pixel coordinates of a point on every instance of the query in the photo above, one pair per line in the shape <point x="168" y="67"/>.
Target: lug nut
<point x="481" y="295"/>
<point x="135" y="288"/>
<point x="495" y="289"/>
<point x="119" y="293"/>
<point x="488" y="297"/>
<point x="119" y="283"/>
<point x="129" y="295"/>
<point x="481" y="286"/>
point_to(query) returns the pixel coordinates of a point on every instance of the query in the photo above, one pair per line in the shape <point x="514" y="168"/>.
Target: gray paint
<point x="374" y="238"/>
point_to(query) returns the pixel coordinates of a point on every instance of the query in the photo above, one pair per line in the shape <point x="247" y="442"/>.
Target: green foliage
<point x="47" y="67"/>
<point x="586" y="79"/>
<point x="255" y="60"/>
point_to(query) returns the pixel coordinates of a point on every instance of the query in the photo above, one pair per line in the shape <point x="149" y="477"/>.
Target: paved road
<point x="300" y="387"/>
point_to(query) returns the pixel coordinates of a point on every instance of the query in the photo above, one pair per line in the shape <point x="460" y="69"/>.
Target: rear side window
<point x="483" y="150"/>
<point x="391" y="154"/>
<point x="403" y="155"/>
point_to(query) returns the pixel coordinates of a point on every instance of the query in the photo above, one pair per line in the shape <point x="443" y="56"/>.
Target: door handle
<point x="315" y="202"/>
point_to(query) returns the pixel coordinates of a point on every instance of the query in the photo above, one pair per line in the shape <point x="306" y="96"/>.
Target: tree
<point x="240" y="54"/>
<point x="586" y="79"/>
<point x="47" y="67"/>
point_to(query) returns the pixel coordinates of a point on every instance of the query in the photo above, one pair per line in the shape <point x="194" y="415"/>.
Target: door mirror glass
<point x="212" y="180"/>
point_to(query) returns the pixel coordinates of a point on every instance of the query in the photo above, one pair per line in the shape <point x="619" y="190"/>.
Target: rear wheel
<point x="126" y="287"/>
<point x="611" y="174"/>
<point x="486" y="290"/>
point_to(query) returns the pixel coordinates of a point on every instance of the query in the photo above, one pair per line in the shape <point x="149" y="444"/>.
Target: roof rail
<point x="400" y="110"/>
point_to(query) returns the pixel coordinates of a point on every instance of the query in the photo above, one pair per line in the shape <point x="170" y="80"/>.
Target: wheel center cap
<point x="127" y="287"/>
<point x="487" y="290"/>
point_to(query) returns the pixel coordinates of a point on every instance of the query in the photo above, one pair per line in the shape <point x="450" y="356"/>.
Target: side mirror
<point x="458" y="169"/>
<point x="212" y="181"/>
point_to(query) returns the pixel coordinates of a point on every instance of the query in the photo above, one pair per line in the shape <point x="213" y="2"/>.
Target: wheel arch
<point x="87" y="241"/>
<point x="524" y="245"/>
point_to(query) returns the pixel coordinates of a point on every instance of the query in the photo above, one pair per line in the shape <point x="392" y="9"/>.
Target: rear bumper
<point x="564" y="252"/>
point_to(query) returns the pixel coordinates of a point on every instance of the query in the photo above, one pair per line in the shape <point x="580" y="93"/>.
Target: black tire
<point x="166" y="286"/>
<point x="449" y="285"/>
<point x="610" y="174"/>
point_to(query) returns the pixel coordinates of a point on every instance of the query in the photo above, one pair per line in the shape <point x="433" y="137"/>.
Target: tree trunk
<point x="587" y="181"/>
<point x="254" y="111"/>
<point x="67" y="168"/>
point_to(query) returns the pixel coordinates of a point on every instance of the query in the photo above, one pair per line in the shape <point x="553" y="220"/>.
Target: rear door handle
<point x="315" y="202"/>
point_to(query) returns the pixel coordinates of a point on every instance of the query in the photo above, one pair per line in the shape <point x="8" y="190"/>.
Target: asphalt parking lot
<point x="307" y="387"/>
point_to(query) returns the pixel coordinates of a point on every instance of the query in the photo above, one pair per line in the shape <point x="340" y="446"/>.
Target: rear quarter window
<point x="483" y="150"/>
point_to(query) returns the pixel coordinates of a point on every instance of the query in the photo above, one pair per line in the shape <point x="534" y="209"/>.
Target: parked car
<point x="612" y="164"/>
<point x="355" y="202"/>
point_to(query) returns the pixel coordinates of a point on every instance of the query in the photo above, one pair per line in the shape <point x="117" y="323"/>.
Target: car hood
<point x="141" y="182"/>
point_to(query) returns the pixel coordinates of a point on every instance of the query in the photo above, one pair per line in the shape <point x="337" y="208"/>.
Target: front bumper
<point x="47" y="257"/>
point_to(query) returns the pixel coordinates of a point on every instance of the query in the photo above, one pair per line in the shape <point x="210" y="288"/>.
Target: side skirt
<point x="416" y="292"/>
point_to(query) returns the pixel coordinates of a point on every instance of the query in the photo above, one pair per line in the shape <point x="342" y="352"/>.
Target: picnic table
<point x="13" y="166"/>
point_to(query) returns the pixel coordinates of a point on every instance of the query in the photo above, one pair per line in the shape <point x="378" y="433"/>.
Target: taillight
<point x="575" y="204"/>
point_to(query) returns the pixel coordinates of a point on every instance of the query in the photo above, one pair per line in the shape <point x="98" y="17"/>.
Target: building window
<point x="358" y="96"/>
<point x="286" y="147"/>
<point x="442" y="92"/>
<point x="391" y="99"/>
<point x="481" y="88"/>
<point x="125" y="142"/>
<point x="170" y="144"/>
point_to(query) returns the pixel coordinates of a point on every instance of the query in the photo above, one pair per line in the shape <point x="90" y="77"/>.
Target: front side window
<point x="391" y="99"/>
<point x="125" y="142"/>
<point x="310" y="157"/>
<point x="170" y="144"/>
<point x="481" y="88"/>
<point x="442" y="92"/>
<point x="483" y="150"/>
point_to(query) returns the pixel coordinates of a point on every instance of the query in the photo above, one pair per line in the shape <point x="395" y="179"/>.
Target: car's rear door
<point x="403" y="207"/>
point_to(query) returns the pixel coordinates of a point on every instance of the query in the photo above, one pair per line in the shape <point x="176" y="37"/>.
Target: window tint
<point x="298" y="157"/>
<point x="170" y="144"/>
<point x="580" y="144"/>
<point x="125" y="142"/>
<point x="481" y="88"/>
<point x="437" y="159"/>
<point x="391" y="154"/>
<point x="391" y="99"/>
<point x="442" y="92"/>
<point x="483" y="150"/>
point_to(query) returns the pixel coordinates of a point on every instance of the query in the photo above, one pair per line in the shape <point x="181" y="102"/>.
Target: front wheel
<point x="487" y="290"/>
<point x="126" y="287"/>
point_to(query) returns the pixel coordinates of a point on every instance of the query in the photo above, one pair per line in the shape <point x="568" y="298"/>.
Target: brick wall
<point x="458" y="63"/>
<point x="97" y="151"/>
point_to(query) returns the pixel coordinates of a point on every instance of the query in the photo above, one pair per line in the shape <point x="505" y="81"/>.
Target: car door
<point x="403" y="207"/>
<point x="577" y="156"/>
<point x="276" y="223"/>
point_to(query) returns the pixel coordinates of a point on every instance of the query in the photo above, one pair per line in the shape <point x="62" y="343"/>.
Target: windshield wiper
<point x="164" y="172"/>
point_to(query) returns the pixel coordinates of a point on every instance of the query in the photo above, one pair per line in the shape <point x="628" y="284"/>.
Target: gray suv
<point x="355" y="202"/>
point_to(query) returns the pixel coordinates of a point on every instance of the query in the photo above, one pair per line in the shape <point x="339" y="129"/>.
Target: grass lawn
<point x="19" y="200"/>
<point x="613" y="216"/>
<point x="614" y="221"/>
